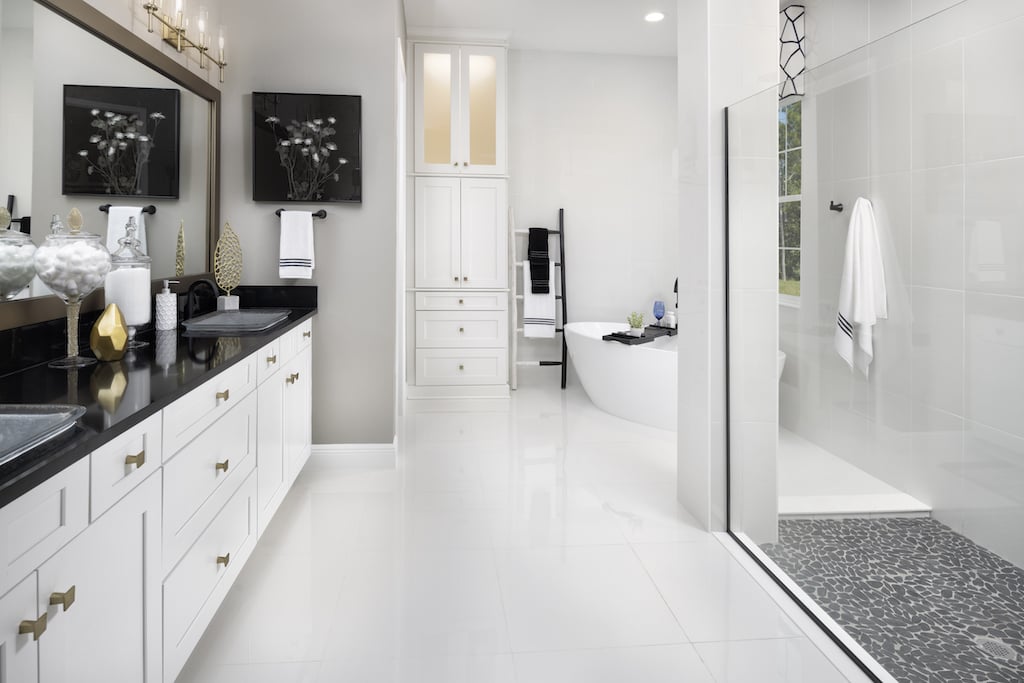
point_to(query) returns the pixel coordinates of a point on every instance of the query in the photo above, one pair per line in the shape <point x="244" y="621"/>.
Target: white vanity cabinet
<point x="460" y="109"/>
<point x="20" y="646"/>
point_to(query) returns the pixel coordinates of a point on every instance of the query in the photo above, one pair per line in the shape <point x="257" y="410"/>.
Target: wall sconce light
<point x="175" y="30"/>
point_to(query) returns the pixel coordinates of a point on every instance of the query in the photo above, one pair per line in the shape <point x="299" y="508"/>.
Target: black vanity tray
<point x="651" y="332"/>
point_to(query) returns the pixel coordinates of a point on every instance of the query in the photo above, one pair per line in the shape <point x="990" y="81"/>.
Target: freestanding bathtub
<point x="637" y="383"/>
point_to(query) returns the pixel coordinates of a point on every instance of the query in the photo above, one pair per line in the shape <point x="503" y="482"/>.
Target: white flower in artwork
<point x="123" y="143"/>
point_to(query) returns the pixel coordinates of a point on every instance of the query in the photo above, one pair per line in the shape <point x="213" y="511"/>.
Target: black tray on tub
<point x="651" y="332"/>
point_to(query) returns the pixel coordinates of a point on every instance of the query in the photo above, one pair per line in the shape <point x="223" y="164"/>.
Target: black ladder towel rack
<point x="561" y="296"/>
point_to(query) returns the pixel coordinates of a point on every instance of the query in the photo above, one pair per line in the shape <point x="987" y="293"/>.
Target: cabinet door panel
<point x="437" y="232"/>
<point x="436" y="108"/>
<point x="19" y="654"/>
<point x="270" y="475"/>
<point x="484" y="233"/>
<point x="297" y="415"/>
<point x="111" y="631"/>
<point x="482" y="146"/>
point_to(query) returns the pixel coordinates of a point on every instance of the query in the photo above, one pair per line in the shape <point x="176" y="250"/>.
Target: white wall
<point x="595" y="135"/>
<point x="328" y="47"/>
<point x="727" y="51"/>
<point x="16" y="114"/>
<point x="925" y="124"/>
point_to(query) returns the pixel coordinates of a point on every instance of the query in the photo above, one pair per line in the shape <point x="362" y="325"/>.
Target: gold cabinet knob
<point x="139" y="459"/>
<point x="455" y="163"/>
<point x="36" y="627"/>
<point x="224" y="559"/>
<point x="307" y="334"/>
<point x="456" y="278"/>
<point x="462" y="329"/>
<point x="465" y="163"/>
<point x="461" y="301"/>
<point x="465" y="278"/>
<point x="290" y="379"/>
<point x="221" y="466"/>
<point x="65" y="599"/>
<point x="461" y="366"/>
<point x="271" y="360"/>
<point x="226" y="394"/>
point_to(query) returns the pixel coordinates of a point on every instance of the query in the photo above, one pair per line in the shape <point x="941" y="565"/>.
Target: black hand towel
<point x="537" y="252"/>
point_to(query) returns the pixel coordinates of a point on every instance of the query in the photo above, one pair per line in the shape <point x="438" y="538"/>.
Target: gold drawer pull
<point x="226" y="394"/>
<point x="461" y="330"/>
<point x="65" y="599"/>
<point x="461" y="366"/>
<point x="307" y="334"/>
<point x="461" y="301"/>
<point x="224" y="559"/>
<point x="221" y="466"/>
<point x="36" y="627"/>
<point x="290" y="379"/>
<point x="456" y="278"/>
<point x="139" y="459"/>
<point x="465" y="278"/>
<point x="271" y="360"/>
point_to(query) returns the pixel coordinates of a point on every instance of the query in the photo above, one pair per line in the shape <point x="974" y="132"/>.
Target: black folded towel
<point x="537" y="252"/>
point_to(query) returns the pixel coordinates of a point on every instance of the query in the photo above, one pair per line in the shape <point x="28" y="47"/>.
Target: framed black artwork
<point x="306" y="148"/>
<point x="121" y="141"/>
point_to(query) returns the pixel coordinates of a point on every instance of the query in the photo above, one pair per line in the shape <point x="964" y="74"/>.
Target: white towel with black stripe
<point x="297" y="260"/>
<point x="538" y="309"/>
<point x="862" y="296"/>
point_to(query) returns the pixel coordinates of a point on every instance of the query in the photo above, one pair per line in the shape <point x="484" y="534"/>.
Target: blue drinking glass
<point x="659" y="310"/>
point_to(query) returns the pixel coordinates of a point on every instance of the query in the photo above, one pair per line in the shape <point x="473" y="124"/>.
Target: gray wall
<point x="332" y="47"/>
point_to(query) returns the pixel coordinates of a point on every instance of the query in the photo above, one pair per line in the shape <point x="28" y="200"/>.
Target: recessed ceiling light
<point x="654" y="17"/>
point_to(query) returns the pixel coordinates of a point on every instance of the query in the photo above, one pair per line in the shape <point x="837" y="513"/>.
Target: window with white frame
<point x="790" y="164"/>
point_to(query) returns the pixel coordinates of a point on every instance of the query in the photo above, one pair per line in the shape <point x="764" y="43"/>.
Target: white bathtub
<point x="637" y="383"/>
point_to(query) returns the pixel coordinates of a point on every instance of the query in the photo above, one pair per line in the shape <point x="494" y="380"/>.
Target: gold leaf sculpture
<point x="227" y="260"/>
<point x="179" y="256"/>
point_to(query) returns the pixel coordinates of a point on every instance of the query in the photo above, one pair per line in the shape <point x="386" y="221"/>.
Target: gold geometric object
<point x="179" y="255"/>
<point x="108" y="384"/>
<point x="75" y="221"/>
<point x="109" y="336"/>
<point x="5" y="218"/>
<point x="227" y="260"/>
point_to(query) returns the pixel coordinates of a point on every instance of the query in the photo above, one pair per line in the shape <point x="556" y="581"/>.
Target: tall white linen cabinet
<point x="458" y="257"/>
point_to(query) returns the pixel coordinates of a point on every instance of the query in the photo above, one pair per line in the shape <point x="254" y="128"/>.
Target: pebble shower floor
<point x="926" y="602"/>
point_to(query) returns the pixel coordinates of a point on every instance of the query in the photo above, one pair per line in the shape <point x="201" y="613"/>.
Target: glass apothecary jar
<point x="72" y="264"/>
<point x="128" y="283"/>
<point x="17" y="266"/>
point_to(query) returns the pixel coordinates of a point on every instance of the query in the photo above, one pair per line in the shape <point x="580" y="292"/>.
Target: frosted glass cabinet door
<point x="436" y="108"/>
<point x="484" y="233"/>
<point x="482" y="115"/>
<point x="437" y="233"/>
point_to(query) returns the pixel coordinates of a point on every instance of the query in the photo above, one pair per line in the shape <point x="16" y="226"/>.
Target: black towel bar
<point x="151" y="210"/>
<point x="322" y="213"/>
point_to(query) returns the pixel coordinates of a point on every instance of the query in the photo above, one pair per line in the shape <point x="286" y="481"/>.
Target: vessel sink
<point x="235" y="322"/>
<point x="24" y="426"/>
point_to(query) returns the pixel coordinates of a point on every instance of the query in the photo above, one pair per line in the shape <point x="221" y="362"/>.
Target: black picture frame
<point x="281" y="172"/>
<point x="94" y="115"/>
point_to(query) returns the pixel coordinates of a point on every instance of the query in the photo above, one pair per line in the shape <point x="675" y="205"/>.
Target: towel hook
<point x="832" y="206"/>
<point x="322" y="213"/>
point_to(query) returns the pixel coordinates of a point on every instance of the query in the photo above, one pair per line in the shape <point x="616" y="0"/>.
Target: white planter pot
<point x="636" y="332"/>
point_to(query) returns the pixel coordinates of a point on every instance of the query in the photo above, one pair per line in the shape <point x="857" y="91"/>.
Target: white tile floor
<point x="535" y="540"/>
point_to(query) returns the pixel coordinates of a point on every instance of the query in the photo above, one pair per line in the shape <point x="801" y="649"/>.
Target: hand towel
<point x="539" y="309"/>
<point x="297" y="260"/>
<point x="537" y="252"/>
<point x="117" y="220"/>
<point x="862" y="296"/>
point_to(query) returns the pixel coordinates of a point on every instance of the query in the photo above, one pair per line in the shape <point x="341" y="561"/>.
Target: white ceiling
<point x="602" y="26"/>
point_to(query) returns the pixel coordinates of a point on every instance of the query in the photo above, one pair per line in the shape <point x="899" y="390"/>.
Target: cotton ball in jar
<point x="72" y="269"/>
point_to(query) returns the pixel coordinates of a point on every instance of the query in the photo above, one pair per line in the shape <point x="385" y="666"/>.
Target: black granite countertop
<point x="153" y="377"/>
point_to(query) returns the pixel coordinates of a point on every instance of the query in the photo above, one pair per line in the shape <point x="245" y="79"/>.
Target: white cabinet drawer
<point x="461" y="366"/>
<point x="461" y="329"/>
<point x="121" y="464"/>
<point x="268" y="360"/>
<point x="201" y="407"/>
<point x="204" y="474"/>
<point x="196" y="587"/>
<point x="296" y="340"/>
<point x="36" y="525"/>
<point x="462" y="301"/>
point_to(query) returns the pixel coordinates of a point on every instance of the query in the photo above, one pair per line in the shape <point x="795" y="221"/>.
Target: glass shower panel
<point x="892" y="496"/>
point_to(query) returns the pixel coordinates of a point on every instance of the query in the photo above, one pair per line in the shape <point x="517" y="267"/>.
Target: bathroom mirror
<point x="47" y="44"/>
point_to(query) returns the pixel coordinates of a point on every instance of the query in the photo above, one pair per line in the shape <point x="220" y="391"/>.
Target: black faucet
<point x="196" y="300"/>
<point x="675" y="290"/>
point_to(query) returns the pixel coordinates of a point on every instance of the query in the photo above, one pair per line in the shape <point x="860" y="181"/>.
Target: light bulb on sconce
<point x="201" y="23"/>
<point x="222" y="61"/>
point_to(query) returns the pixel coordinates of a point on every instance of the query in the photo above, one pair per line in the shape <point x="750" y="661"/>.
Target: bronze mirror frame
<point x="80" y="13"/>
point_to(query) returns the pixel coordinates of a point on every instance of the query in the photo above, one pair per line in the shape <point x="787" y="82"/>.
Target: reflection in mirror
<point x="40" y="53"/>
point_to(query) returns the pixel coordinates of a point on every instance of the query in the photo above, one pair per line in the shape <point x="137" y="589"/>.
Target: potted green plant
<point x="636" y="324"/>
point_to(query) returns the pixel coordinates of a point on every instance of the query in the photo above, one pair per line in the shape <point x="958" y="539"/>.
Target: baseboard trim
<point x="357" y="454"/>
<point x="414" y="392"/>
